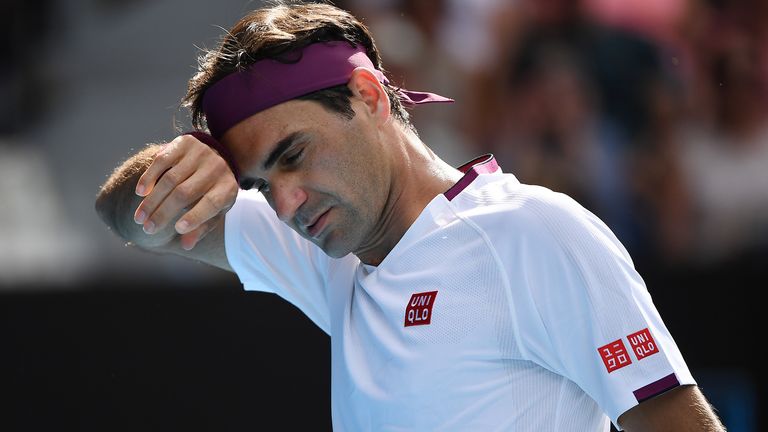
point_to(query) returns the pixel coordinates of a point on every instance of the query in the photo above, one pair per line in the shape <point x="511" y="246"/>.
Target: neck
<point x="417" y="177"/>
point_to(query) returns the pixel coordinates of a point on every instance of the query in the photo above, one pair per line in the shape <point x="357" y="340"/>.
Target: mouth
<point x="316" y="227"/>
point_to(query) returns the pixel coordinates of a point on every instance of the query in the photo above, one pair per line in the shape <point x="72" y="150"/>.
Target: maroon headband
<point x="268" y="82"/>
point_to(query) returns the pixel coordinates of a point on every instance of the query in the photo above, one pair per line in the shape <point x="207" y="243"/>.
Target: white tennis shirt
<point x="504" y="307"/>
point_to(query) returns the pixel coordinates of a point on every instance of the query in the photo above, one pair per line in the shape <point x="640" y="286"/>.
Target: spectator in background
<point x="578" y="110"/>
<point x="454" y="47"/>
<point x="724" y="139"/>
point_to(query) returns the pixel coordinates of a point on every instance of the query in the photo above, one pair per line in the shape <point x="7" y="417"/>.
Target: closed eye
<point x="294" y="158"/>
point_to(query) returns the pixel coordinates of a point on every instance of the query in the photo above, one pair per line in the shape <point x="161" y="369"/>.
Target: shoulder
<point x="510" y="209"/>
<point x="528" y="223"/>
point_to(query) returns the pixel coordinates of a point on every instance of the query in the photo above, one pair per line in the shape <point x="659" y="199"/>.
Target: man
<point x="455" y="300"/>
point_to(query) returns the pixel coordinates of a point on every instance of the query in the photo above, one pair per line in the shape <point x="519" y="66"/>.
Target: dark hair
<point x="274" y="31"/>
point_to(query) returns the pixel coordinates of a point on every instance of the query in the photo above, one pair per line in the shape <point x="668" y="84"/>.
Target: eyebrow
<point x="281" y="147"/>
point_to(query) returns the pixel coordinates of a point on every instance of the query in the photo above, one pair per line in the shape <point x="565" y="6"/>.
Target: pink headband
<point x="268" y="82"/>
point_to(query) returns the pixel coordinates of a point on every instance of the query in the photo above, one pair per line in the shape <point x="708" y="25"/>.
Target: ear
<point x="367" y="87"/>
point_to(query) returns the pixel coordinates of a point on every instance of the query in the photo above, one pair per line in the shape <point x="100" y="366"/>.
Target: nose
<point x="287" y="198"/>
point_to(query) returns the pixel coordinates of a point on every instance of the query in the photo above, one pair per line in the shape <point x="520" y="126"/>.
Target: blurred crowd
<point x="652" y="113"/>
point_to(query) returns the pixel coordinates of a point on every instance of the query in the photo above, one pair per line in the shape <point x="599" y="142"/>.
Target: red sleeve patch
<point x="614" y="355"/>
<point x="642" y="344"/>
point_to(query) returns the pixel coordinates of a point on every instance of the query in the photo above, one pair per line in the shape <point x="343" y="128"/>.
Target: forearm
<point x="117" y="202"/>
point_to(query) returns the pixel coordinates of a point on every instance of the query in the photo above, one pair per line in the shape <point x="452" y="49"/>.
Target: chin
<point x="335" y="252"/>
<point x="334" y="249"/>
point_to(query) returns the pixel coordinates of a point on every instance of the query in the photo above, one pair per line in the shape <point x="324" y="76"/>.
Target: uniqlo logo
<point x="419" y="309"/>
<point x="614" y="355"/>
<point x="642" y="344"/>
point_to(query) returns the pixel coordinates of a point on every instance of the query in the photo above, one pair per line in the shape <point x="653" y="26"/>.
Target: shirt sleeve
<point x="269" y="256"/>
<point x="584" y="312"/>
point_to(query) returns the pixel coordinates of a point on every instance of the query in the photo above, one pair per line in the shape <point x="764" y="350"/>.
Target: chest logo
<point x="419" y="309"/>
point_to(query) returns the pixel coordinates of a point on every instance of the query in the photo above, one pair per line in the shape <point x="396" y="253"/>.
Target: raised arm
<point x="117" y="201"/>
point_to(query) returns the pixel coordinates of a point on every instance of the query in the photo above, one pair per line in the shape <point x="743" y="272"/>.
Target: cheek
<point x="348" y="166"/>
<point x="359" y="183"/>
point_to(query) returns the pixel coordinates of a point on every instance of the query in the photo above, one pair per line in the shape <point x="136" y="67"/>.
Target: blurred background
<point x="651" y="113"/>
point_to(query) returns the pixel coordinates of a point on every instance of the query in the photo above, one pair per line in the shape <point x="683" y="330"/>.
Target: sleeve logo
<point x="419" y="309"/>
<point x="614" y="355"/>
<point x="642" y="344"/>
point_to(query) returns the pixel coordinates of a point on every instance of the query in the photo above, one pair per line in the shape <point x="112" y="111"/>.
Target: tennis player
<point x="456" y="299"/>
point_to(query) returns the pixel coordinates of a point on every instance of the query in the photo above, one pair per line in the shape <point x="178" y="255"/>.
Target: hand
<point x="185" y="174"/>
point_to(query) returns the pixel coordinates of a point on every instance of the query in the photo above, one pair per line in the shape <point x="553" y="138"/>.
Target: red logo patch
<point x="419" y="309"/>
<point x="614" y="355"/>
<point x="642" y="344"/>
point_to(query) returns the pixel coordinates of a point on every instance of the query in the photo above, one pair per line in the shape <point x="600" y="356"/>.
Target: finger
<point x="169" y="181"/>
<point x="165" y="158"/>
<point x="192" y="238"/>
<point x="185" y="195"/>
<point x="214" y="203"/>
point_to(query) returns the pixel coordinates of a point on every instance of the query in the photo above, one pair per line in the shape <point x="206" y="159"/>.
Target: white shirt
<point x="504" y="307"/>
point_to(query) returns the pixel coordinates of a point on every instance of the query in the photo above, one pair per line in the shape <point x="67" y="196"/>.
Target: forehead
<point x="253" y="138"/>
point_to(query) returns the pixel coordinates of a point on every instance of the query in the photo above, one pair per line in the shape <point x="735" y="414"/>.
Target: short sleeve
<point x="584" y="312"/>
<point x="269" y="256"/>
